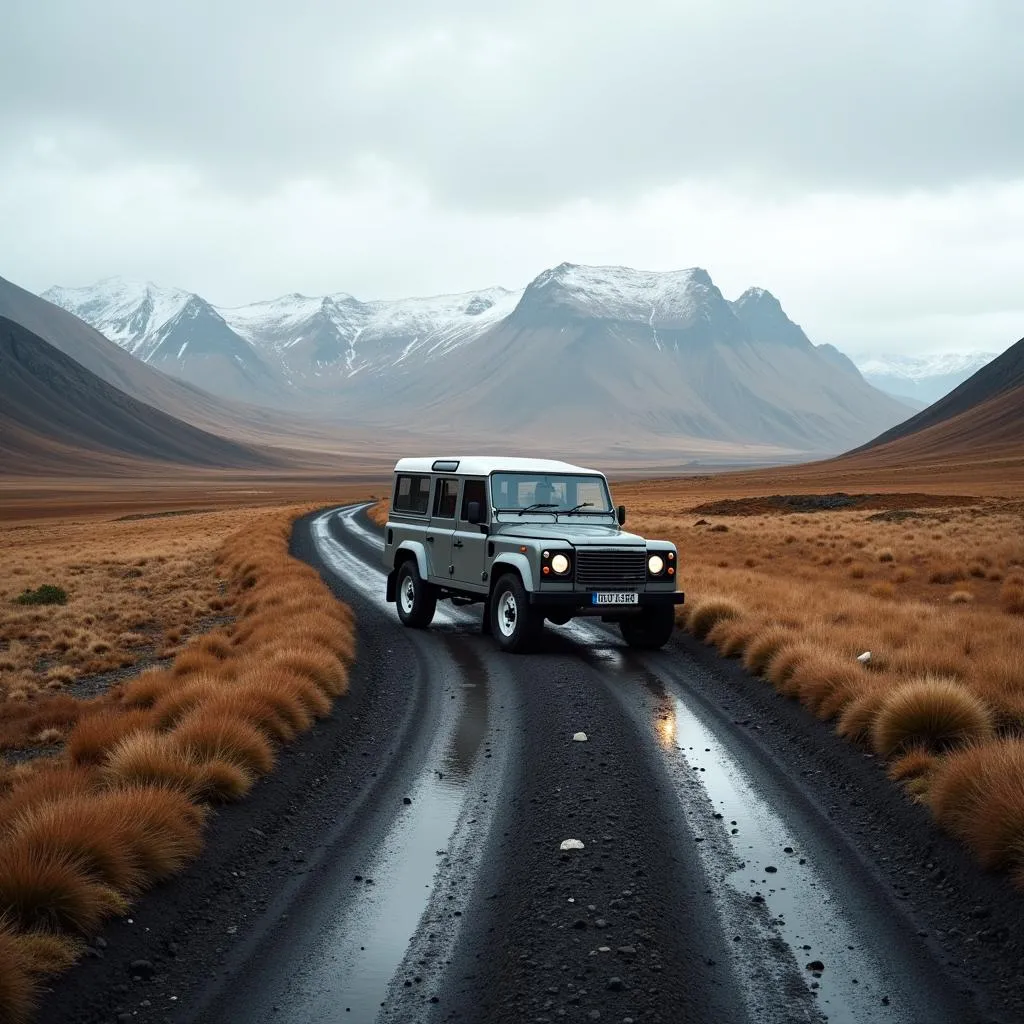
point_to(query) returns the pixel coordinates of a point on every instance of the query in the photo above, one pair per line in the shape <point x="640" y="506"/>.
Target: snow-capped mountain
<point x="607" y="354"/>
<point x="128" y="312"/>
<point x="620" y="294"/>
<point x="175" y="331"/>
<point x="661" y="355"/>
<point x="337" y="336"/>
<point x="926" y="378"/>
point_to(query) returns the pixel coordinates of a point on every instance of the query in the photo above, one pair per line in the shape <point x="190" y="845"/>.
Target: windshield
<point x="550" y="492"/>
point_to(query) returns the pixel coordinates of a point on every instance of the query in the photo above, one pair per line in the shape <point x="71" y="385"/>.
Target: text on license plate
<point x="616" y="598"/>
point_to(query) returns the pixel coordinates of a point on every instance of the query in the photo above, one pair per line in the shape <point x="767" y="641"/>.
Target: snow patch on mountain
<point x="365" y="332"/>
<point x="665" y="299"/>
<point x="127" y="312"/>
<point x="919" y="368"/>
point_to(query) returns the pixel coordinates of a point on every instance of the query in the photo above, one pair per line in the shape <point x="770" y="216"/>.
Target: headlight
<point x="560" y="564"/>
<point x="655" y="565"/>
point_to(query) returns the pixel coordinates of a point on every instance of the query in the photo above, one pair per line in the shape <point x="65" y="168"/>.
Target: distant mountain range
<point x="982" y="419"/>
<point x="923" y="379"/>
<point x="607" y="357"/>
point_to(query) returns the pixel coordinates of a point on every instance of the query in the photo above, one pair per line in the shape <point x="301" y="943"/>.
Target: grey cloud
<point x="530" y="105"/>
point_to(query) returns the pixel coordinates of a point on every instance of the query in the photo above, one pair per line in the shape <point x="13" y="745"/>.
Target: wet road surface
<point x="409" y="867"/>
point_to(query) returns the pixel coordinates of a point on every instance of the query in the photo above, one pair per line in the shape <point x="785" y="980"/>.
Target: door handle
<point x="456" y="543"/>
<point x="430" y="540"/>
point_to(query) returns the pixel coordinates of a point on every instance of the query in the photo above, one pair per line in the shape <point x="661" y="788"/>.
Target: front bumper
<point x="584" y="599"/>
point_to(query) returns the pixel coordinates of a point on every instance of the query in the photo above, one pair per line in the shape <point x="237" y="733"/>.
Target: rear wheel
<point x="415" y="598"/>
<point x="514" y="622"/>
<point x="651" y="629"/>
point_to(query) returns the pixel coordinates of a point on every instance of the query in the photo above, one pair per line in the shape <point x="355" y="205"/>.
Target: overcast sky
<point x="863" y="160"/>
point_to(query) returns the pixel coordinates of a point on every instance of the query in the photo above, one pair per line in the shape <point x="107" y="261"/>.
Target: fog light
<point x="655" y="565"/>
<point x="560" y="564"/>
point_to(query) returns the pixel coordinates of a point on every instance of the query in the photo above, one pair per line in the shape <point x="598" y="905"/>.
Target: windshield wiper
<point x="537" y="506"/>
<point x="569" y="511"/>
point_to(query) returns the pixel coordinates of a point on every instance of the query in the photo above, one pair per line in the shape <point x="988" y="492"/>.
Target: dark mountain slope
<point x="986" y="410"/>
<point x="57" y="415"/>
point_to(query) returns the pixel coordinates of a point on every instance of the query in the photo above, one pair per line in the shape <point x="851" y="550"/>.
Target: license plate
<point x="626" y="598"/>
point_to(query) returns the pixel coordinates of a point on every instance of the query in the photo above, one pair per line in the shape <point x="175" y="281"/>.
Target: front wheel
<point x="514" y="622"/>
<point x="415" y="598"/>
<point x="651" y="629"/>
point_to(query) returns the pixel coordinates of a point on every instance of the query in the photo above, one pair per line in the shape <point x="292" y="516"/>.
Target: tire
<point x="515" y="624"/>
<point x="651" y="629"/>
<point x="415" y="599"/>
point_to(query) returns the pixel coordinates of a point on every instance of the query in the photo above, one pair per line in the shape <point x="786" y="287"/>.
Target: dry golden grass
<point x="378" y="512"/>
<point x="79" y="828"/>
<point x="764" y="646"/>
<point x="914" y="764"/>
<point x="934" y="713"/>
<point x="978" y="795"/>
<point x="39" y="784"/>
<point x="23" y="957"/>
<point x="146" y="689"/>
<point x="702" y="616"/>
<point x="826" y="682"/>
<point x="95" y="735"/>
<point x="52" y="888"/>
<point x="186" y="696"/>
<point x="224" y="737"/>
<point x="123" y="803"/>
<point x="131" y="585"/>
<point x="783" y="665"/>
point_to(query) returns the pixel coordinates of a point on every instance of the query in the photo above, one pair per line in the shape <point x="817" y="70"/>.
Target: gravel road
<point x="404" y="863"/>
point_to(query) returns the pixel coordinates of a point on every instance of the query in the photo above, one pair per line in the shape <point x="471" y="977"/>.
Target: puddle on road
<point x="461" y="752"/>
<point x="776" y="872"/>
<point x="364" y="947"/>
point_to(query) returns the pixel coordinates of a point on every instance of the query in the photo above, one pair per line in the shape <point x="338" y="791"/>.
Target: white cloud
<point x="857" y="159"/>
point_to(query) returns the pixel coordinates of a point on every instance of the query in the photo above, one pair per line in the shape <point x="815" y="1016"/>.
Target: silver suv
<point x="530" y="539"/>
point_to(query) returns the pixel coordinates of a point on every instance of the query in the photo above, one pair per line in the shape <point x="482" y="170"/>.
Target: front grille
<point x="611" y="569"/>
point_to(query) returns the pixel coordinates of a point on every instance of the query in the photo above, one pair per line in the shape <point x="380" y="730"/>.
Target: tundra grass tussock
<point x="124" y="805"/>
<point x="977" y="794"/>
<point x="933" y="713"/>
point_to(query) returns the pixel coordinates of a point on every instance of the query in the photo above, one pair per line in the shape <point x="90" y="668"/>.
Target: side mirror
<point x="620" y="514"/>
<point x="474" y="513"/>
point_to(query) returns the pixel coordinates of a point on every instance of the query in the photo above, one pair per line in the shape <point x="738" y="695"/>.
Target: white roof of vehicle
<point x="483" y="465"/>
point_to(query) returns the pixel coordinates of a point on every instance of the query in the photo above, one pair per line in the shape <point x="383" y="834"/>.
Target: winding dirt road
<point x="740" y="863"/>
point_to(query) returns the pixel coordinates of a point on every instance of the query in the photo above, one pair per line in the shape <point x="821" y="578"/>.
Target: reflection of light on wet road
<point x="666" y="729"/>
<point x="772" y="871"/>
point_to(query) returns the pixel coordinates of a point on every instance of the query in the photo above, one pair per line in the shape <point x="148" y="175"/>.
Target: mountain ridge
<point x="659" y="358"/>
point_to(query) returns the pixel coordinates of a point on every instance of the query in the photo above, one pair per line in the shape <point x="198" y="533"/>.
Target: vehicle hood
<point x="577" y="534"/>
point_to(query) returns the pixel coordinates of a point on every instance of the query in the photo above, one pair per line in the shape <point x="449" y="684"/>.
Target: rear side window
<point x="445" y="498"/>
<point x="473" y="490"/>
<point x="412" y="494"/>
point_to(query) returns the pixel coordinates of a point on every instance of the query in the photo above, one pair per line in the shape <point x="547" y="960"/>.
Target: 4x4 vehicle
<point x="530" y="539"/>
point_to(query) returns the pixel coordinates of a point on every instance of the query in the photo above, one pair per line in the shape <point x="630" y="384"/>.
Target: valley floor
<point x="698" y="789"/>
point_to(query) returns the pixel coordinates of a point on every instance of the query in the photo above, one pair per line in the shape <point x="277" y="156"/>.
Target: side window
<point x="445" y="498"/>
<point x="473" y="490"/>
<point x="412" y="494"/>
